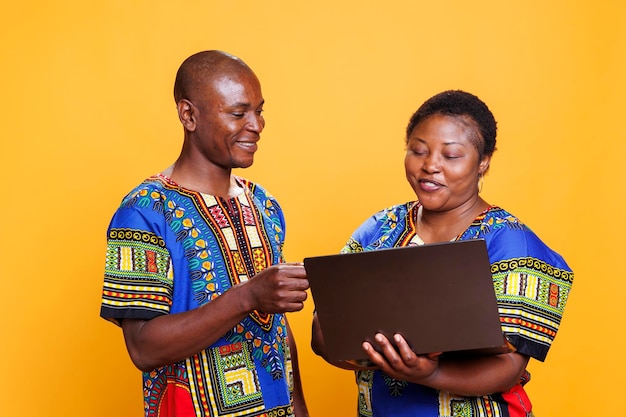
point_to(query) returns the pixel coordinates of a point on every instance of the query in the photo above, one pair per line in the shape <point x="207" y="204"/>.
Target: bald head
<point x="203" y="67"/>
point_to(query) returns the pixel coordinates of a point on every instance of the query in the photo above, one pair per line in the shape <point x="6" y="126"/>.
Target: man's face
<point x="229" y="120"/>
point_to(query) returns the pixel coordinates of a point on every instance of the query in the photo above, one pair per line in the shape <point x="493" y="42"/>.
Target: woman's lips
<point x="429" y="185"/>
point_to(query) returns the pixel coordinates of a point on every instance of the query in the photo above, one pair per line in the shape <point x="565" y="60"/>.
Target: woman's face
<point x="442" y="164"/>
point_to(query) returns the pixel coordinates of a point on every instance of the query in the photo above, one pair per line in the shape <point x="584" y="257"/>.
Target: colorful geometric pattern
<point x="236" y="385"/>
<point x="532" y="296"/>
<point x="532" y="284"/>
<point x="138" y="273"/>
<point x="166" y="391"/>
<point x="170" y="250"/>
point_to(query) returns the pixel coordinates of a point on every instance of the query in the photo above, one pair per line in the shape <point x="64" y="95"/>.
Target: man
<point x="195" y="274"/>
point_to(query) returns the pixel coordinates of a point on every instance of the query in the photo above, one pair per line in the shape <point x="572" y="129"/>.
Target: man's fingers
<point x="294" y="283"/>
<point x="295" y="295"/>
<point x="294" y="307"/>
<point x="300" y="284"/>
<point x="293" y="270"/>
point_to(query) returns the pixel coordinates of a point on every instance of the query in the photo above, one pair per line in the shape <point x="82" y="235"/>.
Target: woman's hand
<point x="468" y="376"/>
<point x="402" y="363"/>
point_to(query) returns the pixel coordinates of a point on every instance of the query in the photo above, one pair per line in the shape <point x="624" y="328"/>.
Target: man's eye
<point x="239" y="115"/>
<point x="259" y="112"/>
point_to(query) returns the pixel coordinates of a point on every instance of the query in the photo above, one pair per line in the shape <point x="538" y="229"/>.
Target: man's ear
<point x="187" y="114"/>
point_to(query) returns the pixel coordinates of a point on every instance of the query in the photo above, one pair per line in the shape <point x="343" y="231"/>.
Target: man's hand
<point x="279" y="288"/>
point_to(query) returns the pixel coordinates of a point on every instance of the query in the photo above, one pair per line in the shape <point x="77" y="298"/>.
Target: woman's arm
<point x="475" y="376"/>
<point x="319" y="347"/>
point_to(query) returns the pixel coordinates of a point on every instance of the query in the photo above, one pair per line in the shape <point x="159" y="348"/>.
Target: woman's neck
<point x="442" y="226"/>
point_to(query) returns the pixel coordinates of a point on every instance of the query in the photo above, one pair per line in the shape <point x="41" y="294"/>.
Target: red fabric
<point x="176" y="402"/>
<point x="518" y="402"/>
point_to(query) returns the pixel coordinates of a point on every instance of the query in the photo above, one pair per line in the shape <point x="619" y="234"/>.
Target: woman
<point x="450" y="141"/>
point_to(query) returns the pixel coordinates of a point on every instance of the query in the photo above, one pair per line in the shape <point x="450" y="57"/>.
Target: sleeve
<point x="532" y="284"/>
<point x="380" y="230"/>
<point x="138" y="277"/>
<point x="361" y="237"/>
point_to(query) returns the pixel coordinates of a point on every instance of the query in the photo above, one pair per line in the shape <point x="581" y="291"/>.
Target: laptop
<point x="440" y="297"/>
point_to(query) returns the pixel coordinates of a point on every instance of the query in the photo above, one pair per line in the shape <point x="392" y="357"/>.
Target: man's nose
<point x="256" y="123"/>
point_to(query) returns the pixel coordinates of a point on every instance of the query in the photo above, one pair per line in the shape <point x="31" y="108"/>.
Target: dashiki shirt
<point x="531" y="282"/>
<point x="171" y="250"/>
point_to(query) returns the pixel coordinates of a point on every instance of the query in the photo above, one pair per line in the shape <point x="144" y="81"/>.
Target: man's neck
<point x="195" y="177"/>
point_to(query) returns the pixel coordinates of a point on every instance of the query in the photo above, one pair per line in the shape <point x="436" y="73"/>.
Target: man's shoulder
<point x="256" y="190"/>
<point x="152" y="188"/>
<point x="250" y="185"/>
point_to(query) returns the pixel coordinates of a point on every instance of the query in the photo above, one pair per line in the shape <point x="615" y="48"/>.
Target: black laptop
<point x="440" y="297"/>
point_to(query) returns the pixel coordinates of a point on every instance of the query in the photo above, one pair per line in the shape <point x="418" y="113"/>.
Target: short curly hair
<point x="464" y="106"/>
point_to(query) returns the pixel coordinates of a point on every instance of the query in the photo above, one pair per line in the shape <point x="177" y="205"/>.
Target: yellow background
<point x="87" y="113"/>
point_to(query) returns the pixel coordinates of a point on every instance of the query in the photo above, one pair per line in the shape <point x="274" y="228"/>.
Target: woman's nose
<point x="432" y="163"/>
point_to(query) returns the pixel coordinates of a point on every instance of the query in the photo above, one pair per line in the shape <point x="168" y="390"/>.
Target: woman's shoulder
<point x="507" y="237"/>
<point x="502" y="223"/>
<point x="396" y="211"/>
<point x="390" y="214"/>
<point x="496" y="217"/>
<point x="381" y="226"/>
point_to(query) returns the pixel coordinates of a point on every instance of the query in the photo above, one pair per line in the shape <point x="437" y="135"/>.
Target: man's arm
<point x="299" y="404"/>
<point x="170" y="338"/>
